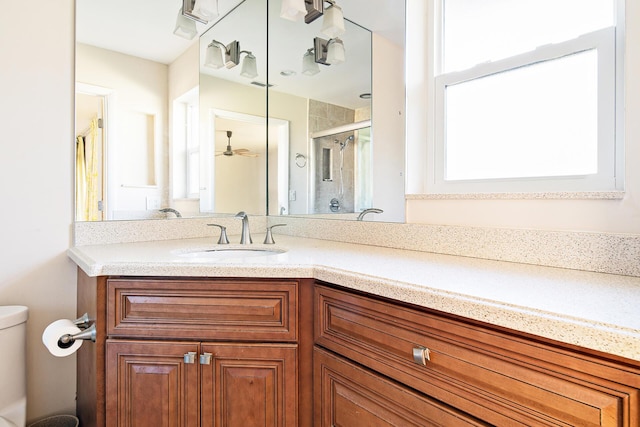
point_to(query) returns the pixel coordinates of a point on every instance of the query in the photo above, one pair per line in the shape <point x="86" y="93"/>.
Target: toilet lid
<point x="6" y="423"/>
<point x="11" y="315"/>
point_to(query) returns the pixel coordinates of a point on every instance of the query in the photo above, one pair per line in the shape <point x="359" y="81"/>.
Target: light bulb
<point x="309" y="65"/>
<point x="214" y="56"/>
<point x="333" y="22"/>
<point x="249" y="67"/>
<point x="335" y="52"/>
<point x="206" y="9"/>
<point x="293" y="10"/>
<point x="185" y="27"/>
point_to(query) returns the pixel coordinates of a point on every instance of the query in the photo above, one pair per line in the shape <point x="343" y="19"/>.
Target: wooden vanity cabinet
<point x="487" y="374"/>
<point x="196" y="352"/>
<point x="293" y="352"/>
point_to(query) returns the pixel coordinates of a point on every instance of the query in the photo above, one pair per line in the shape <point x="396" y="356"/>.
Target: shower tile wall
<point x="324" y="116"/>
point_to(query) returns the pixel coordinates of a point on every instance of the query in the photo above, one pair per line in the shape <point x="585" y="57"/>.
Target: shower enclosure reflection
<point x="341" y="170"/>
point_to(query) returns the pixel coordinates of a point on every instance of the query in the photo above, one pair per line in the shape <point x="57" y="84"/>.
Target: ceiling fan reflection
<point x="237" y="152"/>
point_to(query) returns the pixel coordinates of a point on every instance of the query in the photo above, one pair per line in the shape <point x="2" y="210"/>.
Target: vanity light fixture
<point x="185" y="27"/>
<point x="315" y="9"/>
<point x="309" y="64"/>
<point x="214" y="57"/>
<point x="249" y="67"/>
<point x="329" y="52"/>
<point x="218" y="55"/>
<point x="293" y="10"/>
<point x="205" y="9"/>
<point x="201" y="11"/>
<point x="333" y="21"/>
<point x="335" y="52"/>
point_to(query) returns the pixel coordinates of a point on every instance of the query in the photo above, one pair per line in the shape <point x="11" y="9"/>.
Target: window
<point x="185" y="165"/>
<point x="193" y="152"/>
<point x="525" y="96"/>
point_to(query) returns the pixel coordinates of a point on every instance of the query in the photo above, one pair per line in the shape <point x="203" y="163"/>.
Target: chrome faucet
<point x="366" y="211"/>
<point x="174" y="211"/>
<point x="245" y="238"/>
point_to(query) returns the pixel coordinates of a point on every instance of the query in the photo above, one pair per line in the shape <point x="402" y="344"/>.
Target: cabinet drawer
<point x="500" y="378"/>
<point x="347" y="395"/>
<point x="213" y="309"/>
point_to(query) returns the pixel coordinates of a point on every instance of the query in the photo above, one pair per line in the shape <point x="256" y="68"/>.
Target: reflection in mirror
<point x="132" y="68"/>
<point x="233" y="58"/>
<point x="347" y="122"/>
<point x="134" y="78"/>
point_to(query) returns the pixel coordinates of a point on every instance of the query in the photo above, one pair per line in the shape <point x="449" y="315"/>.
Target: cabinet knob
<point x="421" y="355"/>
<point x="190" y="357"/>
<point x="205" y="358"/>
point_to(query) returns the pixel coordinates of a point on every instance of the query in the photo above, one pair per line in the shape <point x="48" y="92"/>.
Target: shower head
<point x="344" y="143"/>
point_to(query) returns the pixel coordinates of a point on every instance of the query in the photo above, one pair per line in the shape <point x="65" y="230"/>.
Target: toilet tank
<point x="13" y="389"/>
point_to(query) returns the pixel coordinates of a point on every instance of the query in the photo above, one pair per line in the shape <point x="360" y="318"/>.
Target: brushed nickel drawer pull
<point x="205" y="358"/>
<point x="190" y="357"/>
<point x="421" y="355"/>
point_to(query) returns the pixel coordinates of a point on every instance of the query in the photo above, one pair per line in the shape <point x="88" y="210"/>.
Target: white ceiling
<point x="144" y="28"/>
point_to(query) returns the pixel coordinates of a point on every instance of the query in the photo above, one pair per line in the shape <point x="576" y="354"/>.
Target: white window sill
<point x="586" y="195"/>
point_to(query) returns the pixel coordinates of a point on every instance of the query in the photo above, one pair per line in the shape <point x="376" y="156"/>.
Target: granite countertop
<point x="593" y="310"/>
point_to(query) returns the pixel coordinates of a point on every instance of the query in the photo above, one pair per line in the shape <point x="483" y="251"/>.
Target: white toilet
<point x="13" y="343"/>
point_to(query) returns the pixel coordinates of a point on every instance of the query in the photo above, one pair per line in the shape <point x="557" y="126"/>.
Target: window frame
<point x="192" y="156"/>
<point x="610" y="175"/>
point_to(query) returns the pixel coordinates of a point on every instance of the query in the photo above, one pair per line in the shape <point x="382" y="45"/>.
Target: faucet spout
<point x="174" y="211"/>
<point x="366" y="211"/>
<point x="245" y="237"/>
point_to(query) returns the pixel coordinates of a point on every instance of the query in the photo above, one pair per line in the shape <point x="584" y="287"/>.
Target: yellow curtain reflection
<point x="81" y="181"/>
<point x="87" y="174"/>
<point x="92" y="172"/>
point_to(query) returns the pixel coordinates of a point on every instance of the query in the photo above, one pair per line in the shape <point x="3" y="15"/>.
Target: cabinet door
<point x="347" y="395"/>
<point x="246" y="385"/>
<point x="149" y="384"/>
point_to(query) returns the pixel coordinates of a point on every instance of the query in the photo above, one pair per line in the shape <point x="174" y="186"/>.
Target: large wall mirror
<point x="157" y="127"/>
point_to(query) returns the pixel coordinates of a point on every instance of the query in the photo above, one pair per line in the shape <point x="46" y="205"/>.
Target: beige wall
<point x="388" y="134"/>
<point x="294" y="109"/>
<point x="36" y="175"/>
<point x="619" y="216"/>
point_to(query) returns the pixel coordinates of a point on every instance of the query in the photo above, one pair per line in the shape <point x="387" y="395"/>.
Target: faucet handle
<point x="268" y="239"/>
<point x="223" y="240"/>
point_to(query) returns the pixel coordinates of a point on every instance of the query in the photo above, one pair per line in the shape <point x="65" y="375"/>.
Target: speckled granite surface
<point x="592" y="310"/>
<point x="600" y="252"/>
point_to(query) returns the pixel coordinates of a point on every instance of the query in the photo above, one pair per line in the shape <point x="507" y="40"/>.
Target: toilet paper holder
<point x="88" y="332"/>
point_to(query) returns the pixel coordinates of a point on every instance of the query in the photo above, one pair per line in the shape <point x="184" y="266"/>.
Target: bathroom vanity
<point x="297" y="340"/>
<point x="192" y="352"/>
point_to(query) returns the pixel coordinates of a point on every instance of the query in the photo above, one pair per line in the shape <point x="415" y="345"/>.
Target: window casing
<point x="473" y="137"/>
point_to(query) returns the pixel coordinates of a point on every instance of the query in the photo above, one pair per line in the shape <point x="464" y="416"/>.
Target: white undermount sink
<point x="227" y="253"/>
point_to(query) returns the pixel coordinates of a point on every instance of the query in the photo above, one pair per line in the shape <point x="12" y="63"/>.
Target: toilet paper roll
<point x="54" y="331"/>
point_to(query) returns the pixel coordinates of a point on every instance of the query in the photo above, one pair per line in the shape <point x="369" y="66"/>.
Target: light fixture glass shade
<point x="309" y="65"/>
<point x="249" y="67"/>
<point x="206" y="9"/>
<point x="293" y="10"/>
<point x="185" y="27"/>
<point x="333" y="22"/>
<point x="214" y="57"/>
<point x="335" y="52"/>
